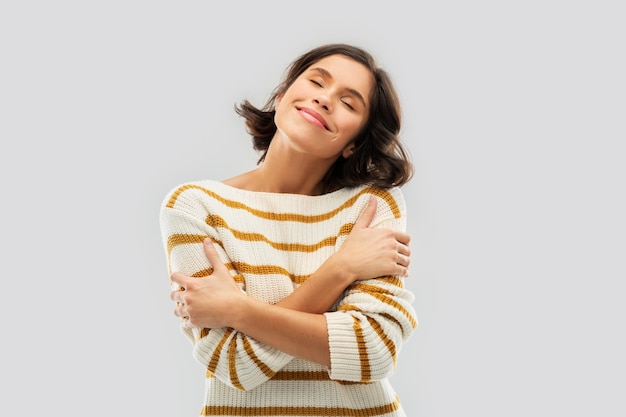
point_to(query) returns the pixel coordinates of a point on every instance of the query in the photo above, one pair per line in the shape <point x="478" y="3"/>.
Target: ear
<point x="348" y="150"/>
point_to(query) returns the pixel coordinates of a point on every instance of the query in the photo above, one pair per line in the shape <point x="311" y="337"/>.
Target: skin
<point x="302" y="150"/>
<point x="317" y="118"/>
<point x="366" y="253"/>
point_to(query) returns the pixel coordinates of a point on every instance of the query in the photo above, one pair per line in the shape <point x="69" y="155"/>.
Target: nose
<point x="323" y="102"/>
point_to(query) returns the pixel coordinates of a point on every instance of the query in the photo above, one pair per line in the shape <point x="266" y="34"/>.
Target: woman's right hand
<point x="370" y="253"/>
<point x="366" y="253"/>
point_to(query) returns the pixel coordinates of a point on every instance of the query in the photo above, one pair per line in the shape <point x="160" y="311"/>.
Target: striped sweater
<point x="271" y="243"/>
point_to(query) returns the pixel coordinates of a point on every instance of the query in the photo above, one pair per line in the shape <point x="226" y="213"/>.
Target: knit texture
<point x="271" y="243"/>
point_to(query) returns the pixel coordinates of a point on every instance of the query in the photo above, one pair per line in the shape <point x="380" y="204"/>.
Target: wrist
<point x="339" y="270"/>
<point x="241" y="311"/>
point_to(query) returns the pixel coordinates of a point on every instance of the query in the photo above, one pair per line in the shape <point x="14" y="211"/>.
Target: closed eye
<point x="348" y="104"/>
<point x="316" y="83"/>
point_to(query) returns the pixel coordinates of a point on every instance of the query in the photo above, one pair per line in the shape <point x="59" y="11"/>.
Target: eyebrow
<point x="324" y="73"/>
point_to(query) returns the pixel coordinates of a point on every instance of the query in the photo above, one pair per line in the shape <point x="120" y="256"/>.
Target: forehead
<point x="345" y="70"/>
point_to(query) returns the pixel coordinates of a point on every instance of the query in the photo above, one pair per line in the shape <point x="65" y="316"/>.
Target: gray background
<point x="515" y="119"/>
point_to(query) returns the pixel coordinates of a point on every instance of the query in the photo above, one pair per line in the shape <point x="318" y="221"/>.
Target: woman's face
<point x="326" y="106"/>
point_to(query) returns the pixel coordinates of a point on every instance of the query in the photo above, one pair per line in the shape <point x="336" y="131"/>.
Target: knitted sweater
<point x="271" y="243"/>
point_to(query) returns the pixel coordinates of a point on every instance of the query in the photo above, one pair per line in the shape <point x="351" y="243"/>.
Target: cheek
<point x="353" y="125"/>
<point x="279" y="108"/>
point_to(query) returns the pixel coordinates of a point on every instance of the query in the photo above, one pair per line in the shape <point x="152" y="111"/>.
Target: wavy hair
<point x="379" y="158"/>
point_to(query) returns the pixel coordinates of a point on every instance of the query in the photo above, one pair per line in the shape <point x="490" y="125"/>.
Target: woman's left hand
<point x="207" y="301"/>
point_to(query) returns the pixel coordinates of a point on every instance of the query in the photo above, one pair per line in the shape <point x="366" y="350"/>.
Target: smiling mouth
<point x="312" y="117"/>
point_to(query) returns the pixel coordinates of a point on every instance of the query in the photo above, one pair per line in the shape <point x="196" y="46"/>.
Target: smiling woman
<point x="323" y="110"/>
<point x="289" y="278"/>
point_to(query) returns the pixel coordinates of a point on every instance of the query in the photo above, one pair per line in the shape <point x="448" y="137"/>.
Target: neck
<point x="287" y="171"/>
<point x="268" y="178"/>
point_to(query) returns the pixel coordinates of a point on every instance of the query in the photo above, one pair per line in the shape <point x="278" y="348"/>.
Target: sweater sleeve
<point x="372" y="319"/>
<point x="232" y="357"/>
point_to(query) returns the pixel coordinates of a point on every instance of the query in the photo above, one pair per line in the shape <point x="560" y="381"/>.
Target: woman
<point x="289" y="278"/>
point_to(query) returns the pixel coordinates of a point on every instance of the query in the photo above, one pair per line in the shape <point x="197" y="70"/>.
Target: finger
<point x="180" y="310"/>
<point x="402" y="260"/>
<point x="178" y="297"/>
<point x="403" y="249"/>
<point x="402" y="264"/>
<point x="403" y="271"/>
<point x="212" y="256"/>
<point x="366" y="217"/>
<point x="179" y="280"/>
<point x="402" y="237"/>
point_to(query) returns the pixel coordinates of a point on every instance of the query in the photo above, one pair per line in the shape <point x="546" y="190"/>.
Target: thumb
<point x="211" y="254"/>
<point x="366" y="217"/>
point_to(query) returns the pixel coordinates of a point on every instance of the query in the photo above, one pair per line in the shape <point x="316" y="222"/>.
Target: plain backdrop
<point x="514" y="115"/>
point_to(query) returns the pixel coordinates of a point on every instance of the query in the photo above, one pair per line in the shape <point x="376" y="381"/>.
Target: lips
<point x="313" y="117"/>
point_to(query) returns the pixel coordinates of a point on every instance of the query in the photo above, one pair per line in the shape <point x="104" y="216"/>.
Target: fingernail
<point x="207" y="241"/>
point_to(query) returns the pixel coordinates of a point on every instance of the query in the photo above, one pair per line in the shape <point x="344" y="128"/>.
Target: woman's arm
<point x="270" y="331"/>
<point x="232" y="357"/>
<point x="216" y="302"/>
<point x="367" y="253"/>
<point x="377" y="314"/>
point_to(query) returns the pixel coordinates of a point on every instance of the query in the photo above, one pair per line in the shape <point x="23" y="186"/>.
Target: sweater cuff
<point x="344" y="354"/>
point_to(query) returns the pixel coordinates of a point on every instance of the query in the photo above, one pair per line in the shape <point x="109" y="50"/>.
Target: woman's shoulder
<point x="391" y="195"/>
<point x="391" y="203"/>
<point x="191" y="191"/>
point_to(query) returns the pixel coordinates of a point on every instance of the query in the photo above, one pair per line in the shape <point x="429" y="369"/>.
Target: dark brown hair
<point x="379" y="158"/>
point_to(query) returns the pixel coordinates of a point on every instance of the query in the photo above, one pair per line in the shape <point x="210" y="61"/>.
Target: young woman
<point x="288" y="279"/>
